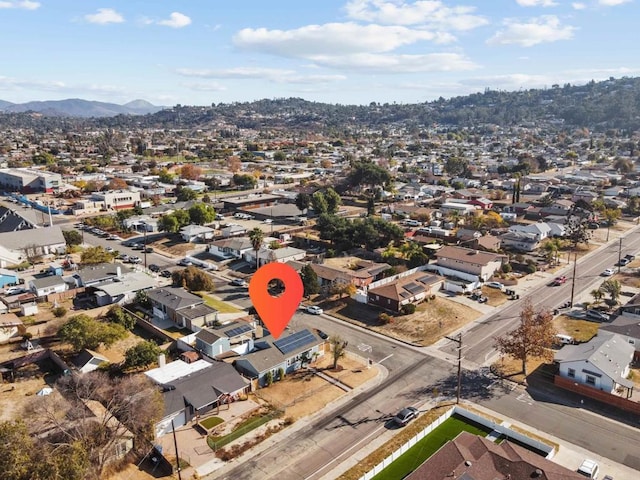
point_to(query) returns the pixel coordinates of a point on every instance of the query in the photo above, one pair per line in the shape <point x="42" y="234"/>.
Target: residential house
<point x="195" y="233"/>
<point x="359" y="273"/>
<point x="519" y="208"/>
<point x="49" y="284"/>
<point x="16" y="247"/>
<point x="181" y="307"/>
<point x="230" y="247"/>
<point x="586" y="195"/>
<point x="8" y="277"/>
<point x="469" y="261"/>
<point x="602" y="363"/>
<point x="394" y="294"/>
<point x="483" y="203"/>
<point x="88" y="361"/>
<point x="11" y="221"/>
<point x="520" y="241"/>
<point x="473" y="457"/>
<point x="488" y="243"/>
<point x="236" y="336"/>
<point x="627" y="324"/>
<point x="233" y="231"/>
<point x="99" y="274"/>
<point x="279" y="255"/>
<point x="460" y="208"/>
<point x="560" y="207"/>
<point x="196" y="392"/>
<point x="124" y="289"/>
<point x="540" y="230"/>
<point x="141" y="223"/>
<point x="287" y="353"/>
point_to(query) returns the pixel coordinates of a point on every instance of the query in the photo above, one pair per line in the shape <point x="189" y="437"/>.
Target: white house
<point x="50" y="284"/>
<point x="230" y="247"/>
<point x="192" y="233"/>
<point x="280" y="255"/>
<point x="541" y="230"/>
<point x="602" y="363"/>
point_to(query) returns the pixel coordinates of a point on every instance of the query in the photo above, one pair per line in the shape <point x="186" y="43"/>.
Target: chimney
<point x="162" y="360"/>
<point x="118" y="272"/>
<point x="259" y="333"/>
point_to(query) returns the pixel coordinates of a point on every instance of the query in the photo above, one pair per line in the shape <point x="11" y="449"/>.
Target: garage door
<point x="164" y="426"/>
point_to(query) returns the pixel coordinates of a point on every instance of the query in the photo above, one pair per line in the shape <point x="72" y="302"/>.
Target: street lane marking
<point x="385" y="358"/>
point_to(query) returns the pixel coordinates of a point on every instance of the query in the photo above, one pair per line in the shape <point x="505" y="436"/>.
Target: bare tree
<point x="338" y="347"/>
<point x="532" y="338"/>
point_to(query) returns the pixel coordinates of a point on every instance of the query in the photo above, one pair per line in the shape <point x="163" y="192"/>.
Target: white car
<point x="268" y="220"/>
<point x="14" y="290"/>
<point x="313" y="310"/>
<point x="608" y="272"/>
<point x="497" y="285"/>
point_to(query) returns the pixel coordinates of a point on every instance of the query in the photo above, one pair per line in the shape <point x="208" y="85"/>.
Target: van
<point x="589" y="469"/>
<point x="412" y="223"/>
<point x="564" y="339"/>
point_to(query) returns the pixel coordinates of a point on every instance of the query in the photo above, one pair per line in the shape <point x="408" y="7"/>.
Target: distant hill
<point x="76" y="107"/>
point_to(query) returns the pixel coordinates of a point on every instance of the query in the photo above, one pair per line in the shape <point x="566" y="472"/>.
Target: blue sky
<point x="198" y="52"/>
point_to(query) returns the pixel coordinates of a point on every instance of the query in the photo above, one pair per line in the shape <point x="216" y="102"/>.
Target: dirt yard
<point x="428" y="324"/>
<point x="174" y="245"/>
<point x="303" y="393"/>
<point x="495" y="297"/>
<point x="580" y="330"/>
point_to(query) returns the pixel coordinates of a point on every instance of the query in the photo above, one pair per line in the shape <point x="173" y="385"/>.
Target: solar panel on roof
<point x="232" y="332"/>
<point x="426" y="279"/>
<point x="295" y="341"/>
<point x="413" y="287"/>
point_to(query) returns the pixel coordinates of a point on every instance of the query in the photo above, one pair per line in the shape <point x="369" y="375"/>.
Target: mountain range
<point x="76" y="107"/>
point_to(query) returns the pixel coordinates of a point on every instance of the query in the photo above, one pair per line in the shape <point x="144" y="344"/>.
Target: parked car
<point x="589" y="468"/>
<point x="594" y="225"/>
<point x="497" y="285"/>
<point x="108" y="249"/>
<point x="624" y="261"/>
<point x="597" y="315"/>
<point x="559" y="280"/>
<point x="185" y="262"/>
<point x="148" y="250"/>
<point x="313" y="310"/>
<point x="137" y="246"/>
<point x="321" y="334"/>
<point x="165" y="274"/>
<point x="14" y="290"/>
<point x="268" y="220"/>
<point x="239" y="282"/>
<point x="135" y="259"/>
<point x="154" y="268"/>
<point x="608" y="272"/>
<point x="405" y="415"/>
<point x="630" y="257"/>
<point x="124" y="257"/>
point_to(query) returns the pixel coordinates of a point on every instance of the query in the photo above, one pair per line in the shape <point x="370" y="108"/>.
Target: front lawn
<point x="210" y="422"/>
<point x="219" y="305"/>
<point x="429" y="445"/>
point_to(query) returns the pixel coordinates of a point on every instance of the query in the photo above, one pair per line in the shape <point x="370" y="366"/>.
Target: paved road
<point x="478" y="340"/>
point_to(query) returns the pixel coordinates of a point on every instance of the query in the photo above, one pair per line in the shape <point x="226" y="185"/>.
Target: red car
<point x="559" y="280"/>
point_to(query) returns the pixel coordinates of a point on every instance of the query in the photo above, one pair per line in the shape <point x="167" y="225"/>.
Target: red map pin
<point x="276" y="312"/>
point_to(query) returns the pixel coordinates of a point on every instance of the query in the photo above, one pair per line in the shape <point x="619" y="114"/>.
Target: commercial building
<point x="117" y="199"/>
<point x="29" y="180"/>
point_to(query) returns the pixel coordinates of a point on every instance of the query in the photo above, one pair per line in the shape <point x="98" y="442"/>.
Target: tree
<point x="319" y="203"/>
<point x="532" y="338"/>
<point x="169" y="223"/>
<point x="82" y="331"/>
<point x="95" y="255"/>
<point x="455" y="166"/>
<point x="309" y="280"/>
<point x="256" y="236"/>
<point x="333" y="200"/>
<point x="15" y="449"/>
<point x="201" y="213"/>
<point x="344" y="289"/>
<point x="576" y="229"/>
<point x="193" y="279"/>
<point x="303" y="201"/>
<point x="338" y="348"/>
<point x="597" y="295"/>
<point x="117" y="184"/>
<point x="72" y="237"/>
<point x="190" y="172"/>
<point x="613" y="288"/>
<point x="164" y="176"/>
<point x="141" y="355"/>
<point x="117" y="314"/>
<point x="184" y="194"/>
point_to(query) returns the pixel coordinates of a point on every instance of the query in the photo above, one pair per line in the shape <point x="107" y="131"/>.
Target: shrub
<point x="408" y="309"/>
<point x="268" y="378"/>
<point x="384" y="318"/>
<point x="59" y="312"/>
<point x="506" y="268"/>
<point x="281" y="373"/>
<point x="530" y="268"/>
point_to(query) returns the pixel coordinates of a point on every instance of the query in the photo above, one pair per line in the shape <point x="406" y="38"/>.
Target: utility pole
<point x="175" y="443"/>
<point x="145" y="246"/>
<point x="573" y="278"/>
<point x="459" y="342"/>
<point x="619" y="254"/>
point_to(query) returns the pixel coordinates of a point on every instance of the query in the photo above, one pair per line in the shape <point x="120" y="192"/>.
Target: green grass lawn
<point x="219" y="305"/>
<point x="211" y="422"/>
<point x="429" y="445"/>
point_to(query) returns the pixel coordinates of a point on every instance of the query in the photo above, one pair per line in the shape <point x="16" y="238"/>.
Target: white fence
<point x="500" y="429"/>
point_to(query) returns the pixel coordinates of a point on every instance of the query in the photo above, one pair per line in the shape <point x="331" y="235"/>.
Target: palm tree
<point x="256" y="236"/>
<point x="613" y="288"/>
<point x="597" y="295"/>
<point x="552" y="247"/>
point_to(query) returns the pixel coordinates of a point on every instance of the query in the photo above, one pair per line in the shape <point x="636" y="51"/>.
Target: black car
<point x="322" y="335"/>
<point x="154" y="268"/>
<point x="148" y="250"/>
<point x="165" y="274"/>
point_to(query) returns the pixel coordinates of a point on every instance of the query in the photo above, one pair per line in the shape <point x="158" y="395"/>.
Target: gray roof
<point x="48" y="281"/>
<point x="207" y="336"/>
<point x="197" y="311"/>
<point x="131" y="282"/>
<point x="203" y="387"/>
<point x="49" y="236"/>
<point x="174" y="298"/>
<point x="608" y="352"/>
<point x="100" y="271"/>
<point x="624" y="325"/>
<point x="86" y="356"/>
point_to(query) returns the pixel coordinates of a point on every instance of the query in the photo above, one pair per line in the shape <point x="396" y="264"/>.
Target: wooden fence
<point x="608" y="398"/>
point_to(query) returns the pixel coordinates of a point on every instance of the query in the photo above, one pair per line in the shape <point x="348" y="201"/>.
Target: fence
<point x="149" y="327"/>
<point x="56" y="297"/>
<point x="503" y="430"/>
<point x="601" y="396"/>
<point x="240" y="432"/>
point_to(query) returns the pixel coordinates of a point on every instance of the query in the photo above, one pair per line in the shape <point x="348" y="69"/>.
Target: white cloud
<point x="392" y="64"/>
<point x="546" y="28"/>
<point x="430" y="13"/>
<point x="536" y="3"/>
<point x="333" y="39"/>
<point x="104" y="16"/>
<point x="14" y="84"/>
<point x="24" y="5"/>
<point x="612" y="3"/>
<point x="578" y="6"/>
<point x="270" y="74"/>
<point x="205" y="87"/>
<point x="176" y="20"/>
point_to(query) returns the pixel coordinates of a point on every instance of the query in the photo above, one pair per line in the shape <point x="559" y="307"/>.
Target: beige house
<point x="467" y="260"/>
